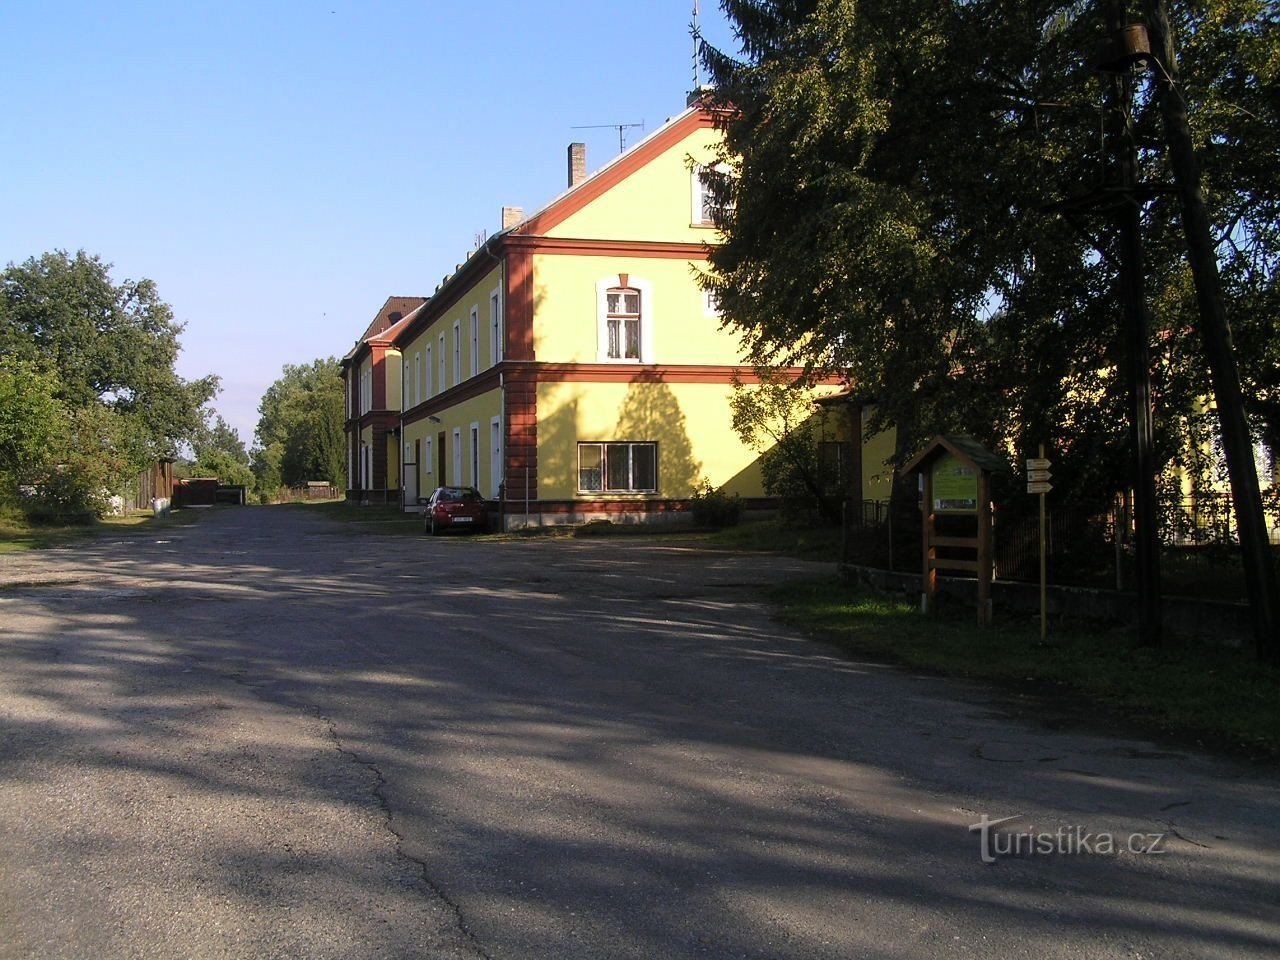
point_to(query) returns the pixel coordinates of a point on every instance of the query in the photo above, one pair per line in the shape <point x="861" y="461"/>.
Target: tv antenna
<point x="622" y="129"/>
<point x="695" y="31"/>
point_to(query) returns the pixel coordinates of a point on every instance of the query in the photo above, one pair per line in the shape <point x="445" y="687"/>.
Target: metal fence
<point x="1087" y="545"/>
<point x="309" y="491"/>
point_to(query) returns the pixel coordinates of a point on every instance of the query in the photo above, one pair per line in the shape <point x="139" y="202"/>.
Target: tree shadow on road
<point x="585" y="744"/>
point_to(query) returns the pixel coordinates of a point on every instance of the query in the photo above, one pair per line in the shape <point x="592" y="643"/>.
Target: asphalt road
<point x="263" y="736"/>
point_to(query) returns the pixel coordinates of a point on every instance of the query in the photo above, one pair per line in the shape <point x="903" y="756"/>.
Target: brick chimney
<point x="577" y="163"/>
<point x="511" y="216"/>
<point x="696" y="97"/>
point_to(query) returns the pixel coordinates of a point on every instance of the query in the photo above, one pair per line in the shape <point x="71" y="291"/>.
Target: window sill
<point x="597" y="494"/>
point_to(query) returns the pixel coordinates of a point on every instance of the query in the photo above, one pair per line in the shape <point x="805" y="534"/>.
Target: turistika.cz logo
<point x="1065" y="841"/>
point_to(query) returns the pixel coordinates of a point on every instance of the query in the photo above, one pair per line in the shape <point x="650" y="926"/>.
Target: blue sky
<point x="280" y="168"/>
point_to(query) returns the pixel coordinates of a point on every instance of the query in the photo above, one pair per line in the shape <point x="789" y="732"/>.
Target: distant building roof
<point x="391" y="314"/>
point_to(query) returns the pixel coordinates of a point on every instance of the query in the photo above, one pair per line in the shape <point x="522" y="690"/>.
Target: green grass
<point x="380" y="518"/>
<point x="779" y="536"/>
<point x="1211" y="572"/>
<point x="1214" y="697"/>
<point x="18" y="534"/>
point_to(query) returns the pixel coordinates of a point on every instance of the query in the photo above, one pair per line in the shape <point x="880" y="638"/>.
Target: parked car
<point x="460" y="507"/>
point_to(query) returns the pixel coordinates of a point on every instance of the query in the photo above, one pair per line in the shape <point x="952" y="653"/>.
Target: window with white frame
<point x="444" y="383"/>
<point x="475" y="340"/>
<point x="457" y="351"/>
<point x="618" y="467"/>
<point x="431" y="461"/>
<point x="707" y="211"/>
<point x="405" y="396"/>
<point x="624" y="306"/>
<point x="457" y="456"/>
<point x="710" y="303"/>
<point x="622" y="319"/>
<point x="427" y="387"/>
<point x="495" y="328"/>
<point x="417" y="379"/>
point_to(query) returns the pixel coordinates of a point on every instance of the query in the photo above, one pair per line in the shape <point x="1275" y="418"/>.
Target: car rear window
<point x="455" y="494"/>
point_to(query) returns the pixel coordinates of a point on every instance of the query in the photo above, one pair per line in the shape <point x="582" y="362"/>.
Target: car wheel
<point x="431" y="529"/>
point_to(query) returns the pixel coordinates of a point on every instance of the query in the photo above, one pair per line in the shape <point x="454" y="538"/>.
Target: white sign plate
<point x="1038" y="463"/>
<point x="1039" y="487"/>
<point x="1039" y="476"/>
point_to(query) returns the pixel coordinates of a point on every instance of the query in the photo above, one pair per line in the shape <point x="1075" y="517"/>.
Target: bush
<point x="714" y="508"/>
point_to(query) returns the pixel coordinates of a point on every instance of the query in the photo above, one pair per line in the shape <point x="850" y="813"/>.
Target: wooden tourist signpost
<point x="1038" y="477"/>
<point x="955" y="478"/>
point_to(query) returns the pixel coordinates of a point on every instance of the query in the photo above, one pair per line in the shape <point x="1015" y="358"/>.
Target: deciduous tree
<point x="300" y="434"/>
<point x="108" y="343"/>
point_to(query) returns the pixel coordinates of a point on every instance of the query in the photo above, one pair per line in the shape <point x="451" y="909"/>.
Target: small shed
<point x="154" y="484"/>
<point x="955" y="471"/>
<point x="195" y="492"/>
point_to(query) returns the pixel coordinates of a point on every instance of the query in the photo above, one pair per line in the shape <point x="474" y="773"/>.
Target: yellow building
<point x="573" y="367"/>
<point x="371" y="374"/>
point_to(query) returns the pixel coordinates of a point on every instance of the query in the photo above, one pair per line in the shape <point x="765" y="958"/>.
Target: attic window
<point x="707" y="212"/>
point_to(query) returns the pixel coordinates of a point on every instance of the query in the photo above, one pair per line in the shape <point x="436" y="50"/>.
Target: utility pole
<point x="1215" y="334"/>
<point x="1120" y="88"/>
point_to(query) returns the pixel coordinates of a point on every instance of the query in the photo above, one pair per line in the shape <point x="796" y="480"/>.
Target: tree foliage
<point x="32" y="422"/>
<point x="300" y="435"/>
<point x="109" y="343"/>
<point x="88" y="390"/>
<point x="782" y="425"/>
<point x="218" y="451"/>
<point x="888" y="214"/>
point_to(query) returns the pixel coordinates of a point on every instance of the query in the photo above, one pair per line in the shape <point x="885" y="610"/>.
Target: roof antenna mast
<point x="622" y="129"/>
<point x="695" y="31"/>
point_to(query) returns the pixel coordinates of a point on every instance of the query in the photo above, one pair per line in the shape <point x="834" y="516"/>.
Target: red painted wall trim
<point x="520" y="435"/>
<point x="516" y="372"/>
<point x="380" y="419"/>
<point x="606" y="248"/>
<point x="665" y="505"/>
<point x="611" y="176"/>
<point x="454" y="289"/>
<point x="518" y="306"/>
<point x="379" y="377"/>
<point x="655" y="373"/>
<point x="467" y="390"/>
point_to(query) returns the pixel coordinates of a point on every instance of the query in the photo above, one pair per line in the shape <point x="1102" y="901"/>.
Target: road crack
<point x="379" y="793"/>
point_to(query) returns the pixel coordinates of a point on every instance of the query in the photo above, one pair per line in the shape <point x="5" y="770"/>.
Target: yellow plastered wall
<point x="477" y="296"/>
<point x="689" y="422"/>
<point x="877" y="475"/>
<point x="566" y="326"/>
<point x="392" y="364"/>
<point x="479" y="410"/>
<point x="361" y="372"/>
<point x="393" y="462"/>
<point x="654" y="203"/>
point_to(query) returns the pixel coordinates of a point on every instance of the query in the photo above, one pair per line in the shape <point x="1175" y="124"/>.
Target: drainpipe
<point x="502" y="380"/>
